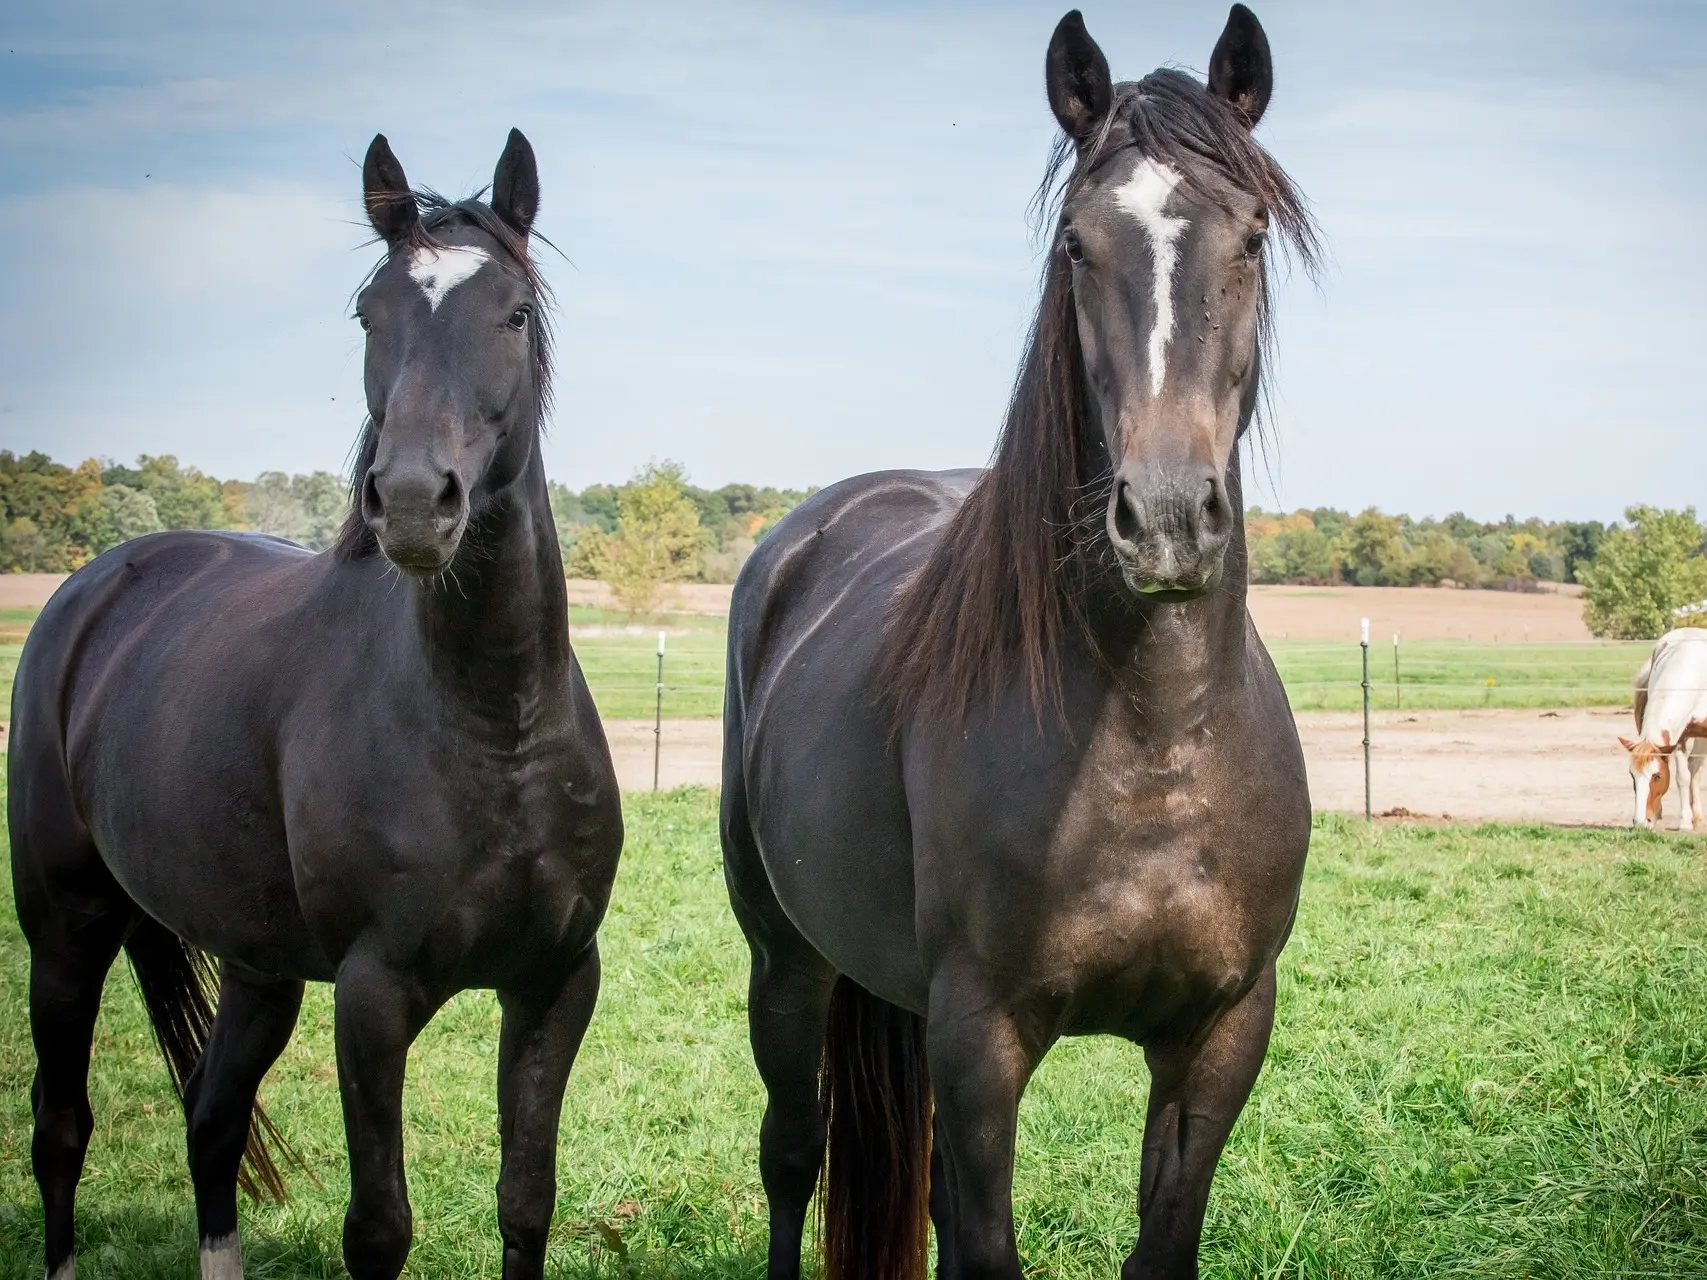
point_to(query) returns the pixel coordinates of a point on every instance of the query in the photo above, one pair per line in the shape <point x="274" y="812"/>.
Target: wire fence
<point x="1460" y="730"/>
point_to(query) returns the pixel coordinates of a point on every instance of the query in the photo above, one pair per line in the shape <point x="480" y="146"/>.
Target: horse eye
<point x="1254" y="243"/>
<point x="518" y="319"/>
<point x="1071" y="246"/>
<point x="364" y="322"/>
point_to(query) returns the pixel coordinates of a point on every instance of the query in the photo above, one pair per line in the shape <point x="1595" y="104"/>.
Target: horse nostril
<point x="447" y="507"/>
<point x="1213" y="514"/>
<point x="372" y="508"/>
<point x="1126" y="523"/>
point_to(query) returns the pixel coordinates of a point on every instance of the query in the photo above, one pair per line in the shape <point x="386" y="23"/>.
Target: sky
<point x="793" y="238"/>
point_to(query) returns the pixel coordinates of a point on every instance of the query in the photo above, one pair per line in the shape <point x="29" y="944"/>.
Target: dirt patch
<point x="1507" y="766"/>
<point x="1293" y="613"/>
<point x="1421" y="613"/>
<point x="708" y="598"/>
<point x="28" y="590"/>
<point x="1483" y="766"/>
<point x="691" y="753"/>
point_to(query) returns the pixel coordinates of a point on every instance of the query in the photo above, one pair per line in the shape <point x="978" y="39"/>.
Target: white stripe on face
<point x="438" y="271"/>
<point x="1144" y="195"/>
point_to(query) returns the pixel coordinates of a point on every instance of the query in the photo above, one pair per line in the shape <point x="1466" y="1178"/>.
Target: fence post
<point x="658" y="715"/>
<point x="1368" y="814"/>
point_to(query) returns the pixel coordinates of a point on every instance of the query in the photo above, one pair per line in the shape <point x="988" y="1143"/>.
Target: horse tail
<point x="876" y="1089"/>
<point x="179" y="984"/>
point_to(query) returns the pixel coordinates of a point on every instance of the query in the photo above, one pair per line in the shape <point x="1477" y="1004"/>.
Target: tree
<point x="1372" y="551"/>
<point x="657" y="538"/>
<point x="183" y="496"/>
<point x="307" y="509"/>
<point x="1642" y="573"/>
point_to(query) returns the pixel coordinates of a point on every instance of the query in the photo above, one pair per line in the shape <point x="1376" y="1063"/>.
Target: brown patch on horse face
<point x="1658" y="785"/>
<point x="1642" y="754"/>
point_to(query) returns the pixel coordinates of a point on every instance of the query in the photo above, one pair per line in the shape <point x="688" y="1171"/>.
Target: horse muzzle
<point x="1170" y="530"/>
<point x="418" y="514"/>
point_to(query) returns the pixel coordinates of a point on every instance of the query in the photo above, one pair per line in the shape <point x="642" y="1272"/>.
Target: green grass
<point x="1451" y="674"/>
<point x="620" y="660"/>
<point x="619" y="657"/>
<point x="1491" y="1060"/>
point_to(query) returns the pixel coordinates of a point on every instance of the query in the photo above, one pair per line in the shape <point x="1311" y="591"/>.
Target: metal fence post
<point x="658" y="716"/>
<point x="1368" y="813"/>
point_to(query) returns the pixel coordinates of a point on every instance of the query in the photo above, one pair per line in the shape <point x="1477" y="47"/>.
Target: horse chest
<point x="1162" y="896"/>
<point x="480" y="852"/>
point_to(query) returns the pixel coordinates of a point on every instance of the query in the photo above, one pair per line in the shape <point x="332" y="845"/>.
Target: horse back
<point x="815" y="811"/>
<point x="1674" y="680"/>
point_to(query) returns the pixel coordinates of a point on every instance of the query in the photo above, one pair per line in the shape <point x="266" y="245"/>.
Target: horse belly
<point x="831" y="825"/>
<point x="215" y="872"/>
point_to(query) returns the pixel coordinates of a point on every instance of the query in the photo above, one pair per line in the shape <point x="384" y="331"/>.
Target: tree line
<point x="55" y="518"/>
<point x="660" y="528"/>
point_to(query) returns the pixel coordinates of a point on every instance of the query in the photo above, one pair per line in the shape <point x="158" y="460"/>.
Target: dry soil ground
<point x="1296" y="613"/>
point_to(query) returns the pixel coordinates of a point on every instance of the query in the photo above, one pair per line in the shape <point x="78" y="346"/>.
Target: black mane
<point x="355" y="540"/>
<point x="1011" y="572"/>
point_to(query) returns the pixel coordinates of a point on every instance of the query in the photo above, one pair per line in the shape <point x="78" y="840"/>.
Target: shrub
<point x="1643" y="573"/>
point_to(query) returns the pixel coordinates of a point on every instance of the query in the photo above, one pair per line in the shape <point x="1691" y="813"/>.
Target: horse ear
<point x="1241" y="69"/>
<point x="390" y="204"/>
<point x="1627" y="743"/>
<point x="515" y="186"/>
<point x="1076" y="74"/>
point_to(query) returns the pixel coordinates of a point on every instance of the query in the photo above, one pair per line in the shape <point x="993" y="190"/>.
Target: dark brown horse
<point x="378" y="766"/>
<point x="1004" y="757"/>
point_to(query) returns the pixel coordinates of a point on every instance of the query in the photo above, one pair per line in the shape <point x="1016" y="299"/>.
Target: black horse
<point x="1004" y="757"/>
<point x="378" y="766"/>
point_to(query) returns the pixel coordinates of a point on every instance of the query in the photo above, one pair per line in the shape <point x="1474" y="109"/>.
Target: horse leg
<point x="979" y="1063"/>
<point x="543" y="1026"/>
<point x="253" y="1025"/>
<point x="788" y="1009"/>
<point x="942" y="1206"/>
<point x="1196" y="1093"/>
<point x="378" y="1015"/>
<point x="69" y="960"/>
<point x="788" y="1013"/>
<point x="1696" y="762"/>
<point x="1685" y="789"/>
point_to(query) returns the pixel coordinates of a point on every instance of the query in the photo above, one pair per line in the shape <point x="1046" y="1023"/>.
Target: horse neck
<point x="1175" y="662"/>
<point x="496" y="625"/>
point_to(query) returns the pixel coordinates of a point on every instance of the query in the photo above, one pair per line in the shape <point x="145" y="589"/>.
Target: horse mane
<point x="1010" y="577"/>
<point x="355" y="540"/>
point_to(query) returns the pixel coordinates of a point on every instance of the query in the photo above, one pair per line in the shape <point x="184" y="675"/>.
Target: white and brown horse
<point x="1671" y="726"/>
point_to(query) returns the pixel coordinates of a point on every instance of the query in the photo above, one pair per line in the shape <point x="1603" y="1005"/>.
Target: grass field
<point x="1491" y="1060"/>
<point x="620" y="660"/>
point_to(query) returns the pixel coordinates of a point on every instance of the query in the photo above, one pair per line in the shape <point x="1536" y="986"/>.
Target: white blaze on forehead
<point x="1144" y="195"/>
<point x="438" y="271"/>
